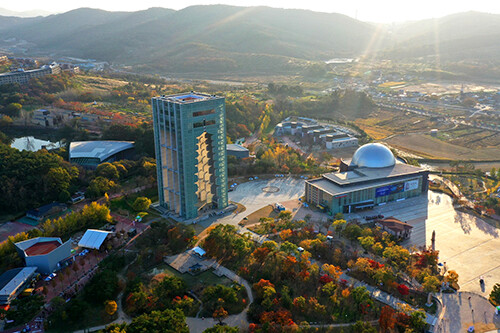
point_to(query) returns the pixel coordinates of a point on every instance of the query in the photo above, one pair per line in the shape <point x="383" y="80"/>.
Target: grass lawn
<point x="267" y="211"/>
<point x="195" y="282"/>
<point x="124" y="203"/>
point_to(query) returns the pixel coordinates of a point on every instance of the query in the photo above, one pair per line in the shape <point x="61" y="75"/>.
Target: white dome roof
<point x="373" y="155"/>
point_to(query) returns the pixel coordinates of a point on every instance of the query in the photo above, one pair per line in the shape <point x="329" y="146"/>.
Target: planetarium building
<point x="372" y="177"/>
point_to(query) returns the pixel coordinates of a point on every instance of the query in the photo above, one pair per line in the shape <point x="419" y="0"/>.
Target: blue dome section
<point x="373" y="155"/>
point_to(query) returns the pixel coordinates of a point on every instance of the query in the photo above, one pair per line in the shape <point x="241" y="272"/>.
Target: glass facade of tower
<point x="190" y="143"/>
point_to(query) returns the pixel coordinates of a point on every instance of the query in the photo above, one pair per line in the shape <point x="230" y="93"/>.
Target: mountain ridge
<point x="232" y="38"/>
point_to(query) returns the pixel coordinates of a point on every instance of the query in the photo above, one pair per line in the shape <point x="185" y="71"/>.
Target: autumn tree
<point x="451" y="277"/>
<point x="333" y="271"/>
<point x="220" y="314"/>
<point x="387" y="320"/>
<point x="110" y="307"/>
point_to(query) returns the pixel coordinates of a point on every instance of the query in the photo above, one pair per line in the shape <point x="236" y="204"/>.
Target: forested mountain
<point x="463" y="36"/>
<point x="221" y="38"/>
<point x="198" y="38"/>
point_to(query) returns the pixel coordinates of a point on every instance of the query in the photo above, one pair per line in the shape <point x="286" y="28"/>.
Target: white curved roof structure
<point x="97" y="149"/>
<point x="373" y="155"/>
<point x="93" y="239"/>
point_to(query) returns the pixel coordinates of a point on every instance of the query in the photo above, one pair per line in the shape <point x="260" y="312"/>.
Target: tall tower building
<point x="190" y="143"/>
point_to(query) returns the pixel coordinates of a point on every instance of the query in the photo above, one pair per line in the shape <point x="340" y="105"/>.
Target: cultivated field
<point x="427" y="146"/>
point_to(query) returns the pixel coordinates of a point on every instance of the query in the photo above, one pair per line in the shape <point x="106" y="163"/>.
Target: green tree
<point x="107" y="170"/>
<point x="141" y="204"/>
<point x="167" y="321"/>
<point x="57" y="180"/>
<point x="102" y="287"/>
<point x="495" y="294"/>
<point x="222" y="329"/>
<point x="168" y="288"/>
<point x="417" y="320"/>
<point x="12" y="109"/>
<point x="5" y="139"/>
<point x="431" y="284"/>
<point x="352" y="231"/>
<point x="98" y="186"/>
<point x="363" y="327"/>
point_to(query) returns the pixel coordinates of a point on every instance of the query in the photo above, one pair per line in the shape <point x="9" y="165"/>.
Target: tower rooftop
<point x="191" y="97"/>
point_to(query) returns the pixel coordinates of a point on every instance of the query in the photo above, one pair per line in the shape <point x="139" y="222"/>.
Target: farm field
<point x="427" y="146"/>
<point x="383" y="123"/>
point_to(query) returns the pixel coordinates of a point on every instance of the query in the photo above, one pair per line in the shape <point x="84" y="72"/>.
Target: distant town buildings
<point x="22" y="77"/>
<point x="373" y="177"/>
<point x="90" y="154"/>
<point x="190" y="142"/>
<point x="331" y="136"/>
<point x="44" y="253"/>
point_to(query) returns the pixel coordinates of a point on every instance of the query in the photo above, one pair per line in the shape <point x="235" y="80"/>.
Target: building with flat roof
<point x="237" y="150"/>
<point x="90" y="154"/>
<point x="13" y="282"/>
<point x="372" y="177"/>
<point x="190" y="143"/>
<point x="22" y="77"/>
<point x="41" y="213"/>
<point x="44" y="253"/>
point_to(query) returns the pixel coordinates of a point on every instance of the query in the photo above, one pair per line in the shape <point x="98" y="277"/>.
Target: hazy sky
<point x="367" y="10"/>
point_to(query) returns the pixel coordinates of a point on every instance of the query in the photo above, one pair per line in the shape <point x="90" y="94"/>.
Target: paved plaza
<point x="466" y="243"/>
<point x="251" y="195"/>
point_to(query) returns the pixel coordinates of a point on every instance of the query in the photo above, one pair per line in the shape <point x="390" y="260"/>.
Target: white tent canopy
<point x="93" y="239"/>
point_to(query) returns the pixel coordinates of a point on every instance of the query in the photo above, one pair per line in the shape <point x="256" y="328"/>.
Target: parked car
<point x="50" y="277"/>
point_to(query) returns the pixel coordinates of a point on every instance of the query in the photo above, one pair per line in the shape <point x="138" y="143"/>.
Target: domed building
<point x="372" y="177"/>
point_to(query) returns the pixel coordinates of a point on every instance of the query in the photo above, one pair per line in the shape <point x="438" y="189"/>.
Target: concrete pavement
<point x="467" y="244"/>
<point x="465" y="309"/>
<point x="250" y="195"/>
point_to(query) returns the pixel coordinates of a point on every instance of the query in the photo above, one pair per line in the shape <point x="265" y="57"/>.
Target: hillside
<point x="256" y="40"/>
<point x="208" y="38"/>
<point x="463" y="36"/>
